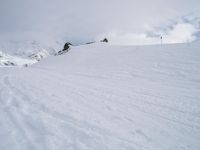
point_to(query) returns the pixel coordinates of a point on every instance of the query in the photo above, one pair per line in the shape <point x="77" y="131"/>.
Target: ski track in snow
<point x="104" y="97"/>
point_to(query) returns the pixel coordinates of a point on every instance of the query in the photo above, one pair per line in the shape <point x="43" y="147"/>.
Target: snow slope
<point x="103" y="97"/>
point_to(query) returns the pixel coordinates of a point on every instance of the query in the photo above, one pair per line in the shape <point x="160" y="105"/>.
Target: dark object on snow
<point x="105" y="40"/>
<point x="66" y="46"/>
<point x="65" y="49"/>
<point x="8" y="63"/>
<point x="89" y="42"/>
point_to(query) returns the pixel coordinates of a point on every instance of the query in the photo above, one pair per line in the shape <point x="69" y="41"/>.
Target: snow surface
<point x="103" y="97"/>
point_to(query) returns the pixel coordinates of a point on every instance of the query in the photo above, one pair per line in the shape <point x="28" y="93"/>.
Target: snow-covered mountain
<point x="104" y="97"/>
<point x="13" y="60"/>
<point x="27" y="47"/>
<point x="24" y="53"/>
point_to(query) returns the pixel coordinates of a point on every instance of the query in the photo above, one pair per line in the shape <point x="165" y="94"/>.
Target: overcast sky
<point x="122" y="21"/>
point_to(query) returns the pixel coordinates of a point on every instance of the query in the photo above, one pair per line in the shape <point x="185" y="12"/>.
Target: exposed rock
<point x="65" y="49"/>
<point x="8" y="63"/>
<point x="89" y="42"/>
<point x="104" y="40"/>
<point x="67" y="46"/>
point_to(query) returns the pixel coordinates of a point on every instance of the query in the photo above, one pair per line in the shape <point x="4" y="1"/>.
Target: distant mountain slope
<point x="23" y="53"/>
<point x="103" y="97"/>
<point x="11" y="60"/>
<point x="27" y="48"/>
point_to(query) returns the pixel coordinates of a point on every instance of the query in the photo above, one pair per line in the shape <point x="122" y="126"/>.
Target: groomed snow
<point x="103" y="97"/>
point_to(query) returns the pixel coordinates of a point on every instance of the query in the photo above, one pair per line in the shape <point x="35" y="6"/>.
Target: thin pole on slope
<point x="161" y="40"/>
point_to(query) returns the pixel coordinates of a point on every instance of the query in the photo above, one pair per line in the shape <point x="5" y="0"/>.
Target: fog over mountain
<point x="126" y="21"/>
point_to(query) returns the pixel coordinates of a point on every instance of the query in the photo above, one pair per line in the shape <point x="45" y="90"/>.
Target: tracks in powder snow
<point x="28" y="114"/>
<point x="13" y="107"/>
<point x="105" y="93"/>
<point x="113" y="99"/>
<point x="23" y="114"/>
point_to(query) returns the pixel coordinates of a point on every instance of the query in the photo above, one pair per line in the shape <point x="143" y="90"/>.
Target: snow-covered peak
<point x="26" y="48"/>
<point x="15" y="53"/>
<point x="12" y="60"/>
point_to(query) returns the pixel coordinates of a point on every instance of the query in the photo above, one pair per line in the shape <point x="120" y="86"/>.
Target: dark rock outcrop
<point x="89" y="43"/>
<point x="9" y="63"/>
<point x="105" y="40"/>
<point x="65" y="48"/>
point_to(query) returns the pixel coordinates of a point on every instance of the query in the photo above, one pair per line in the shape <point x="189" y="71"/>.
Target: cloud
<point x="174" y="32"/>
<point x="80" y="21"/>
<point x="182" y="32"/>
